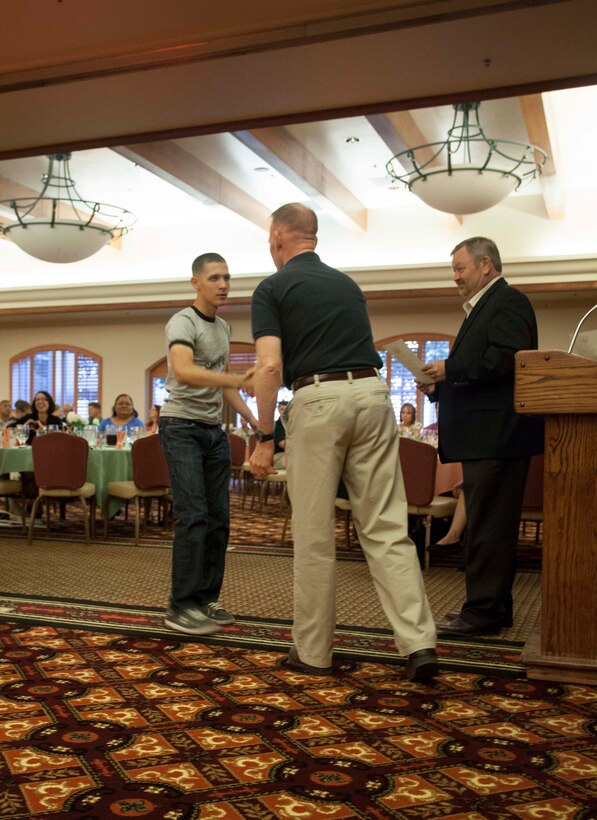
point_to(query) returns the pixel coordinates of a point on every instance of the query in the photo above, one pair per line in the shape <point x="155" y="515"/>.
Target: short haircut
<point x="201" y="261"/>
<point x="480" y="246"/>
<point x="297" y="218"/>
<point x="22" y="405"/>
<point x="95" y="404"/>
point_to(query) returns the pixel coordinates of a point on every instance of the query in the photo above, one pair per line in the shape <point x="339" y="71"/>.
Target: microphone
<point x="588" y="313"/>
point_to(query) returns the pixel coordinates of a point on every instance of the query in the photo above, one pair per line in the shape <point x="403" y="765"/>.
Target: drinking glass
<point x="21" y="433"/>
<point x="133" y="435"/>
<point x="120" y="437"/>
<point x="111" y="435"/>
<point x="90" y="435"/>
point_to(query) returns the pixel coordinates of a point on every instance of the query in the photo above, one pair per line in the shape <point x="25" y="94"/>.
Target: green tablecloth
<point x="105" y="464"/>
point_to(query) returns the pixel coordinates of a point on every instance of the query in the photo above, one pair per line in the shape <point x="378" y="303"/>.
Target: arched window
<point x="428" y="347"/>
<point x="242" y="357"/>
<point x="71" y="375"/>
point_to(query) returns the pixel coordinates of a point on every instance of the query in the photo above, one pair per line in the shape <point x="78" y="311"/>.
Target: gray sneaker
<point x="216" y="612"/>
<point x="191" y="621"/>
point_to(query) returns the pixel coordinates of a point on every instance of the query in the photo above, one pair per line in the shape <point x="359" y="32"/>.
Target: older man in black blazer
<point x="479" y="427"/>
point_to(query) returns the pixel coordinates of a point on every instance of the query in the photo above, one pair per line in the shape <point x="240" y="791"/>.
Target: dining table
<point x="104" y="464"/>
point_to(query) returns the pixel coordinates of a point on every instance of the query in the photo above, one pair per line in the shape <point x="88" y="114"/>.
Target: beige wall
<point x="130" y="345"/>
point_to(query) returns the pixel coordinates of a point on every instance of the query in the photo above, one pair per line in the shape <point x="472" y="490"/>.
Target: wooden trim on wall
<point x="370" y="295"/>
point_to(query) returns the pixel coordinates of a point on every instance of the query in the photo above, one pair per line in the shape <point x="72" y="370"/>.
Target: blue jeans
<point x="198" y="460"/>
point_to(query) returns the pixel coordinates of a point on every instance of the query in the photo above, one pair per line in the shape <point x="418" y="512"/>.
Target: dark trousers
<point x="493" y="492"/>
<point x="198" y="460"/>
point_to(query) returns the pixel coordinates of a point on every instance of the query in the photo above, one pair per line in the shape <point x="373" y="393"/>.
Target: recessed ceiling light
<point x="351" y="140"/>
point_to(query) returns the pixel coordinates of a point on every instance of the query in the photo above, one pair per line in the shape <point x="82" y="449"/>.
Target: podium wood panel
<point x="564" y="388"/>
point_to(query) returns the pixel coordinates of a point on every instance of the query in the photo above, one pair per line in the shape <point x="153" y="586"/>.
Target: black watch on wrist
<point x="263" y="437"/>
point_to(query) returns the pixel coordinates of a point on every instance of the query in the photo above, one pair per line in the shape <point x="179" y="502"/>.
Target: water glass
<point x="90" y="435"/>
<point x="111" y="438"/>
<point x="21" y="433"/>
<point x="132" y="435"/>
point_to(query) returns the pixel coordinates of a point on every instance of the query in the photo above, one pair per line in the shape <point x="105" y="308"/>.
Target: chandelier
<point x="467" y="172"/>
<point x="59" y="225"/>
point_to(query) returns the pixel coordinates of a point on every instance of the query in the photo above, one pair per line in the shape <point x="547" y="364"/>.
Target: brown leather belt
<point x="304" y="381"/>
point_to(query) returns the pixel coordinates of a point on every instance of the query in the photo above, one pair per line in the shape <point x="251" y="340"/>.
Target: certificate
<point x="410" y="360"/>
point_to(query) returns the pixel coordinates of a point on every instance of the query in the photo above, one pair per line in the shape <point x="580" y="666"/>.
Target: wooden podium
<point x="563" y="387"/>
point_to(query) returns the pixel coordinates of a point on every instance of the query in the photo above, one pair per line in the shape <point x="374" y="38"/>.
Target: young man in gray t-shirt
<point x="197" y="450"/>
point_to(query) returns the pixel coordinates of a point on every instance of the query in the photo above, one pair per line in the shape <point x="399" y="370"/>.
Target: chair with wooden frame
<point x="60" y="470"/>
<point x="418" y="461"/>
<point x="238" y="449"/>
<point x="150" y="480"/>
<point x="13" y="488"/>
<point x="532" y="502"/>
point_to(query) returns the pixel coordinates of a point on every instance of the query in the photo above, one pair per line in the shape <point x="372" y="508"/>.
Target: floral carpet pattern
<point x="98" y="724"/>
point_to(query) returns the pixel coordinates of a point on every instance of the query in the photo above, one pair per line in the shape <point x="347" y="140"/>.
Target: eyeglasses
<point x="123" y="404"/>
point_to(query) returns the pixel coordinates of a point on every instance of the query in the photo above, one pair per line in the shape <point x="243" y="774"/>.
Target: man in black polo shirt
<point x="312" y="332"/>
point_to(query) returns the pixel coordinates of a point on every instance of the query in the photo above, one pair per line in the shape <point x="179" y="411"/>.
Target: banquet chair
<point x="238" y="448"/>
<point x="419" y="465"/>
<point x="250" y="483"/>
<point x="60" y="470"/>
<point x="532" y="502"/>
<point x="13" y="488"/>
<point x="150" y="480"/>
<point x="418" y="461"/>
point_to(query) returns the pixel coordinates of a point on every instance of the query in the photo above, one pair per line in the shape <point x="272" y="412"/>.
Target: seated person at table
<point x="5" y="413"/>
<point x="153" y="418"/>
<point x="408" y="425"/>
<point x="22" y="408"/>
<point x="280" y="438"/>
<point x="124" y="415"/>
<point x="43" y="414"/>
<point x="94" y="411"/>
<point x="453" y="538"/>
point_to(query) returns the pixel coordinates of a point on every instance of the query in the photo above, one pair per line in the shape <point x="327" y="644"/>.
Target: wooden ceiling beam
<point x="535" y="118"/>
<point x="170" y="162"/>
<point x="289" y="157"/>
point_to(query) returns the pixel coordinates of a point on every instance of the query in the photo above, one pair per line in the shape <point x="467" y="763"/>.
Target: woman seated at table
<point x="153" y="419"/>
<point x="43" y="414"/>
<point x="408" y="425"/>
<point x="124" y="416"/>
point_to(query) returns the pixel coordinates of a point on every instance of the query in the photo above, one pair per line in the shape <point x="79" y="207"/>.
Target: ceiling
<point x="215" y="189"/>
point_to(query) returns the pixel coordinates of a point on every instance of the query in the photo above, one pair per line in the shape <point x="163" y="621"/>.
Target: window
<point x="70" y="374"/>
<point x="428" y="347"/>
<point x="242" y="357"/>
<point x="157" y="383"/>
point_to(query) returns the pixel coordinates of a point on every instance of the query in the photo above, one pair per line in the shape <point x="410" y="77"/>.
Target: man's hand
<point x="428" y="389"/>
<point x="246" y="382"/>
<point x="262" y="460"/>
<point x="437" y="370"/>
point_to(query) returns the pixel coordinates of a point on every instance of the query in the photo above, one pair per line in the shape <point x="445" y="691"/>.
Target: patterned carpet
<point x="98" y="725"/>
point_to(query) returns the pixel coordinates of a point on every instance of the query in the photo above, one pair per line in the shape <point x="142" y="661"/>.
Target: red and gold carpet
<point x="98" y="724"/>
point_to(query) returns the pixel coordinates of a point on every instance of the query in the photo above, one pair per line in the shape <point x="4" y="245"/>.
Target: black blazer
<point x="476" y="415"/>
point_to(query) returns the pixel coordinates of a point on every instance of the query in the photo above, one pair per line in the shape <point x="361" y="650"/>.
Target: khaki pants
<point x="347" y="429"/>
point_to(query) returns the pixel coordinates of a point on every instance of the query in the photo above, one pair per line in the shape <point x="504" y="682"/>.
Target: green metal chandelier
<point x="467" y="172"/>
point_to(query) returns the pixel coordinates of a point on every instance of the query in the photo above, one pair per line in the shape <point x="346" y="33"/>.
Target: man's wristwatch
<point x="263" y="437"/>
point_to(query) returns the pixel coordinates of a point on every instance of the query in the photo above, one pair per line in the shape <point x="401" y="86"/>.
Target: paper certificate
<point x="410" y="360"/>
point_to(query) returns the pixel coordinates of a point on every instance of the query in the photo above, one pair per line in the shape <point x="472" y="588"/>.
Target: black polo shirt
<point x="320" y="315"/>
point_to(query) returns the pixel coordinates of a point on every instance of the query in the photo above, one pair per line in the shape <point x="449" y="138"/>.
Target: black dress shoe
<point x="457" y="626"/>
<point x="296" y="663"/>
<point x="457" y="545"/>
<point x="451" y="616"/>
<point x="421" y="665"/>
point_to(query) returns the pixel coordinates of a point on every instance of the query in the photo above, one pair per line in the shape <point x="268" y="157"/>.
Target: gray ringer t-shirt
<point x="209" y="338"/>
